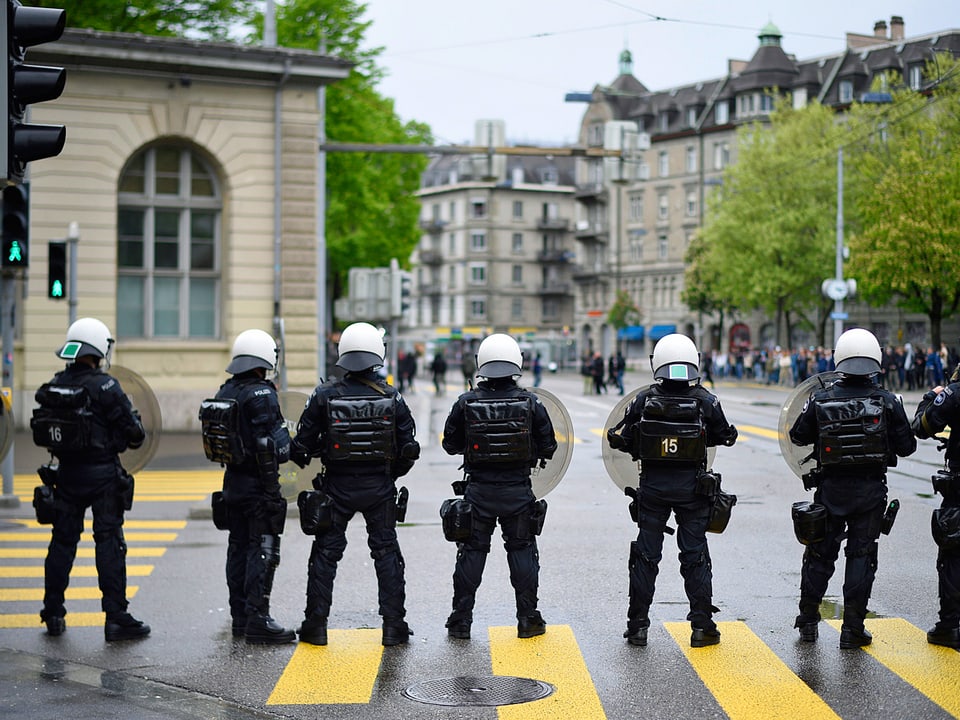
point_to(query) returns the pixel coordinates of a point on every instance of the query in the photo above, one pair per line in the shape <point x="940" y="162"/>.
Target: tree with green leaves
<point x="199" y="19"/>
<point x="624" y="312"/>
<point x="767" y="241"/>
<point x="905" y="246"/>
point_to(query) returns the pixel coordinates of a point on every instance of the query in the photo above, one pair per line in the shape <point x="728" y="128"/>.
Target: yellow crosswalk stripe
<point x="36" y="571"/>
<point x="554" y="658"/>
<point x="82" y="552"/>
<point x="44" y="537"/>
<point x="747" y="679"/>
<point x="903" y="648"/>
<point x="151" y="485"/>
<point x="127" y="524"/>
<point x="762" y="432"/>
<point x="32" y="620"/>
<point x="73" y="593"/>
<point x="343" y="672"/>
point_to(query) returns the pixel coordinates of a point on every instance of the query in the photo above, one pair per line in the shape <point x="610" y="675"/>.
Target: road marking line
<point x="86" y="537"/>
<point x="128" y="524"/>
<point x="36" y="571"/>
<point x="73" y="593"/>
<point x="762" y="432"/>
<point x="903" y="648"/>
<point x="32" y="620"/>
<point x="746" y="678"/>
<point x="343" y="672"/>
<point x="554" y="658"/>
<point x="83" y="552"/>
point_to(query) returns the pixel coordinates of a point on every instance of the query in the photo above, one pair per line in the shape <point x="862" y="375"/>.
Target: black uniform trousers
<point x="948" y="577"/>
<point x="246" y="564"/>
<point x="110" y="548"/>
<point x="380" y="515"/>
<point x="693" y="514"/>
<point x="512" y="509"/>
<point x="862" y="528"/>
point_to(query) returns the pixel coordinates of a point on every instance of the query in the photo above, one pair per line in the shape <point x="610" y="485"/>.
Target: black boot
<point x="313" y="630"/>
<point x="458" y="627"/>
<point x="264" y="630"/>
<point x="636" y="636"/>
<point x="851" y="637"/>
<point x="529" y="626"/>
<point x="395" y="632"/>
<point x="238" y="626"/>
<point x="702" y="637"/>
<point x="945" y="636"/>
<point x="124" y="626"/>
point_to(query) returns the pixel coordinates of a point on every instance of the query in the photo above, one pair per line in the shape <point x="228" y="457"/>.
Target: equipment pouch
<point x="125" y="485"/>
<point x="43" y="504"/>
<point x="218" y="511"/>
<point x="49" y="474"/>
<point x="316" y="512"/>
<point x="945" y="482"/>
<point x="538" y="514"/>
<point x="945" y="526"/>
<point x="889" y="516"/>
<point x="708" y="483"/>
<point x="634" y="508"/>
<point x="809" y="522"/>
<point x="275" y="514"/>
<point x="459" y="487"/>
<point x="720" y="512"/>
<point x="403" y="497"/>
<point x="457" y="519"/>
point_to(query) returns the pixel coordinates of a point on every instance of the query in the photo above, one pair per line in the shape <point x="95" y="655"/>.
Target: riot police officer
<point x="85" y="419"/>
<point x="502" y="431"/>
<point x="362" y="430"/>
<point x="938" y="408"/>
<point x="669" y="426"/>
<point x="244" y="430"/>
<point x="857" y="429"/>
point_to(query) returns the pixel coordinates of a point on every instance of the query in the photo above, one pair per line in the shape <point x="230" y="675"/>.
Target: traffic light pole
<point x="7" y="308"/>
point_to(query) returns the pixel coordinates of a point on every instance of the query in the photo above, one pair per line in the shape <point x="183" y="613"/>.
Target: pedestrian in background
<point x="439" y="369"/>
<point x="468" y="366"/>
<point x="86" y="420"/>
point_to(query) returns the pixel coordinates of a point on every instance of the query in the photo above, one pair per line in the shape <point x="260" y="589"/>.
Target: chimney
<point x="896" y="28"/>
<point x="880" y="29"/>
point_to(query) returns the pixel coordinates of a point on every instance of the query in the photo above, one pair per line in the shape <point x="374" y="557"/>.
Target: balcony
<point x="431" y="288"/>
<point x="432" y="225"/>
<point x="590" y="191"/>
<point x="431" y="257"/>
<point x="591" y="273"/>
<point x="555" y="224"/>
<point x="554" y="256"/>
<point x="555" y="288"/>
<point x="591" y="231"/>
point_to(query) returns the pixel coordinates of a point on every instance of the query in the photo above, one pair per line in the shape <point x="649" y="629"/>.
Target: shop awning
<point x="631" y="332"/>
<point x="659" y="331"/>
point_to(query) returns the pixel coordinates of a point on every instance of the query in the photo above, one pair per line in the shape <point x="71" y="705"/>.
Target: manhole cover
<point x="484" y="691"/>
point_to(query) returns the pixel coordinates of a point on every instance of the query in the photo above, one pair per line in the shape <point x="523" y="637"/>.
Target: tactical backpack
<point x="63" y="422"/>
<point x="671" y="428"/>
<point x="220" y="427"/>
<point x="360" y="428"/>
<point x="498" y="430"/>
<point x="853" y="432"/>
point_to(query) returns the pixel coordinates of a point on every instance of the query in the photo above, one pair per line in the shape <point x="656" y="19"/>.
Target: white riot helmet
<point x="361" y="347"/>
<point x="857" y="352"/>
<point x="87" y="336"/>
<point x="499" y="356"/>
<point x="675" y="357"/>
<point x="253" y="349"/>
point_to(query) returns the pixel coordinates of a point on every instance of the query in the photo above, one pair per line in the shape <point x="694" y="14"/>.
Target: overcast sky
<point x="450" y="62"/>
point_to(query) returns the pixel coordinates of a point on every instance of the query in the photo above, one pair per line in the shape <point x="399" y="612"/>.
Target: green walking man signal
<point x="57" y="269"/>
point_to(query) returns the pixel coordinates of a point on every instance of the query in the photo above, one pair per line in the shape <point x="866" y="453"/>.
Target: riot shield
<point x="622" y="469"/>
<point x="6" y="427"/>
<point x="294" y="479"/>
<point x="144" y="402"/>
<point x="546" y="478"/>
<point x="798" y="457"/>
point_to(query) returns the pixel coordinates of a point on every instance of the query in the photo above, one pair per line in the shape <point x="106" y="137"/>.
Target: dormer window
<point x="664" y="121"/>
<point x="846" y="91"/>
<point x="691" y="116"/>
<point x="722" y="113"/>
<point x="915" y="77"/>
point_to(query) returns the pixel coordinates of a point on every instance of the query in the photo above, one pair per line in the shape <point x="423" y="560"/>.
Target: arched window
<point x="168" y="254"/>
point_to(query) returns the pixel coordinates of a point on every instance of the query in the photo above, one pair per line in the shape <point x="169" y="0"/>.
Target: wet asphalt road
<point x="190" y="667"/>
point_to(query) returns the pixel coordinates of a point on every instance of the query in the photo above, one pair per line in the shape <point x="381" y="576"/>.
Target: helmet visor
<point x="358" y="360"/>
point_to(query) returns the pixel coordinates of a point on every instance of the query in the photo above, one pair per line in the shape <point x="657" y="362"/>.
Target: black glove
<point x="300" y="456"/>
<point x="616" y="442"/>
<point x="732" y="437"/>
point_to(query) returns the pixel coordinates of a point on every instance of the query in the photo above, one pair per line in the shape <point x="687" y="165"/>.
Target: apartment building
<point x="638" y="217"/>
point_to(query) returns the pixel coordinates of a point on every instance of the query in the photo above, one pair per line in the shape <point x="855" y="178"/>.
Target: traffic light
<point x="22" y="85"/>
<point x="16" y="226"/>
<point x="57" y="269"/>
<point x="401" y="288"/>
